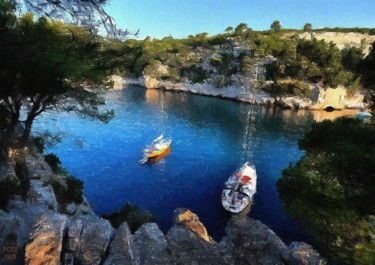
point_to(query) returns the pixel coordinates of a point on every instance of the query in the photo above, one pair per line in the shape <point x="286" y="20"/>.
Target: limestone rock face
<point x="118" y="82"/>
<point x="40" y="194"/>
<point x="150" y="246"/>
<point x="188" y="248"/>
<point x="147" y="246"/>
<point x="88" y="239"/>
<point x="38" y="167"/>
<point x="16" y="226"/>
<point x="46" y="240"/>
<point x="255" y="243"/>
<point x="121" y="252"/>
<point x="7" y="173"/>
<point x="151" y="82"/>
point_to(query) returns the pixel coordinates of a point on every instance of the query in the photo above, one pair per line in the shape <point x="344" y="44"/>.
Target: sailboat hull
<point x="159" y="152"/>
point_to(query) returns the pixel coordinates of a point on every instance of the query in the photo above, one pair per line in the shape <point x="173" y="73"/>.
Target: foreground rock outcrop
<point x="36" y="230"/>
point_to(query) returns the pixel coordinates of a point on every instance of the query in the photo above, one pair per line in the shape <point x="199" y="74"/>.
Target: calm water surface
<point x="211" y="138"/>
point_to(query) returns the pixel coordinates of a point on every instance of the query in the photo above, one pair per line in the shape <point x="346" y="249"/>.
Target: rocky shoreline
<point x="36" y="230"/>
<point x="320" y="99"/>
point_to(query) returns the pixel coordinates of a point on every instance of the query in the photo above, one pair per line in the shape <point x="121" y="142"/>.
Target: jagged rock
<point x="150" y="246"/>
<point x="76" y="210"/>
<point x="118" y="82"/>
<point x="151" y="82"/>
<point x="71" y="208"/>
<point x="121" y="252"/>
<point x="302" y="253"/>
<point x="7" y="173"/>
<point x="38" y="167"/>
<point x="188" y="248"/>
<point x="255" y="243"/>
<point x="16" y="226"/>
<point x="88" y="239"/>
<point x="41" y="194"/>
<point x="46" y="240"/>
<point x="11" y="242"/>
<point x="192" y="222"/>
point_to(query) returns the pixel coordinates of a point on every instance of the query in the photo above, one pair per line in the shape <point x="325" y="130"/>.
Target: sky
<point x="181" y="18"/>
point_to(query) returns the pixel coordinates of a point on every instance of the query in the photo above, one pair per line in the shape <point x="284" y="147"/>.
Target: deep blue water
<point x="211" y="138"/>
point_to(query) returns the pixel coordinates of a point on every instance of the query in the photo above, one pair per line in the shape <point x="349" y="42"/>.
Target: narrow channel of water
<point x="211" y="138"/>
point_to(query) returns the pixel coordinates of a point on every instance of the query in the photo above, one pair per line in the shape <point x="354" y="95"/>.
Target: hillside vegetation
<point x="290" y="58"/>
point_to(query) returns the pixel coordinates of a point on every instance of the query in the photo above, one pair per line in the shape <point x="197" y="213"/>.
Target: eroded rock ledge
<point x="34" y="231"/>
<point x="243" y="91"/>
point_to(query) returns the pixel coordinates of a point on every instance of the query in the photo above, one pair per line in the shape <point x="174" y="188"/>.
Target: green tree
<point x="43" y="65"/>
<point x="332" y="189"/>
<point x="367" y="70"/>
<point x="307" y="27"/>
<point x="276" y="26"/>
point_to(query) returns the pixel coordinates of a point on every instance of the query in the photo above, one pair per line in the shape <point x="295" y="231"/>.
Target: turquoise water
<point x="211" y="138"/>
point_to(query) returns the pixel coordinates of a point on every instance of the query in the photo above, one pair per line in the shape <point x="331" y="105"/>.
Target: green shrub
<point x="53" y="161"/>
<point x="39" y="143"/>
<point x="132" y="214"/>
<point x="68" y="192"/>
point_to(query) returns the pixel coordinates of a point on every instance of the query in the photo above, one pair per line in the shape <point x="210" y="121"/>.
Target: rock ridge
<point x="34" y="231"/>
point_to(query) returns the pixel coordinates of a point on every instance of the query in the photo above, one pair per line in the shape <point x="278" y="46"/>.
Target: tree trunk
<point x="26" y="132"/>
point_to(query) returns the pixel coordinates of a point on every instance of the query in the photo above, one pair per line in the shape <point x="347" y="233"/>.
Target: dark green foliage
<point x="195" y="74"/>
<point x="68" y="192"/>
<point x="39" y="144"/>
<point x="332" y="188"/>
<point x="369" y="31"/>
<point x="307" y="27"/>
<point x="53" y="161"/>
<point x="44" y="63"/>
<point x="276" y="26"/>
<point x="352" y="58"/>
<point x="132" y="214"/>
<point x="368" y="72"/>
<point x="74" y="192"/>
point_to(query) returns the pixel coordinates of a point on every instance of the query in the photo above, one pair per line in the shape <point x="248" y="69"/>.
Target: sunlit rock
<point x="151" y="82"/>
<point x="192" y="222"/>
<point x="118" y="82"/>
<point x="46" y="240"/>
<point x="302" y="253"/>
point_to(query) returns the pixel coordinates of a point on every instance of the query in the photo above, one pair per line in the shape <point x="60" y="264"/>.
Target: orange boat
<point x="158" y="148"/>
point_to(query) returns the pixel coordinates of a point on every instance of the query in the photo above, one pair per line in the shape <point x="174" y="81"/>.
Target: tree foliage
<point x="90" y="14"/>
<point x="307" y="27"/>
<point x="43" y="65"/>
<point x="276" y="26"/>
<point x="132" y="214"/>
<point x="332" y="188"/>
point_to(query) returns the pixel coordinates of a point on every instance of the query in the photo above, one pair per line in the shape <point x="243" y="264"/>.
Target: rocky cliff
<point x="37" y="230"/>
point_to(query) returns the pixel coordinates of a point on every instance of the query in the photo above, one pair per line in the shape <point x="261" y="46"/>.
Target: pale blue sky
<point x="180" y="18"/>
